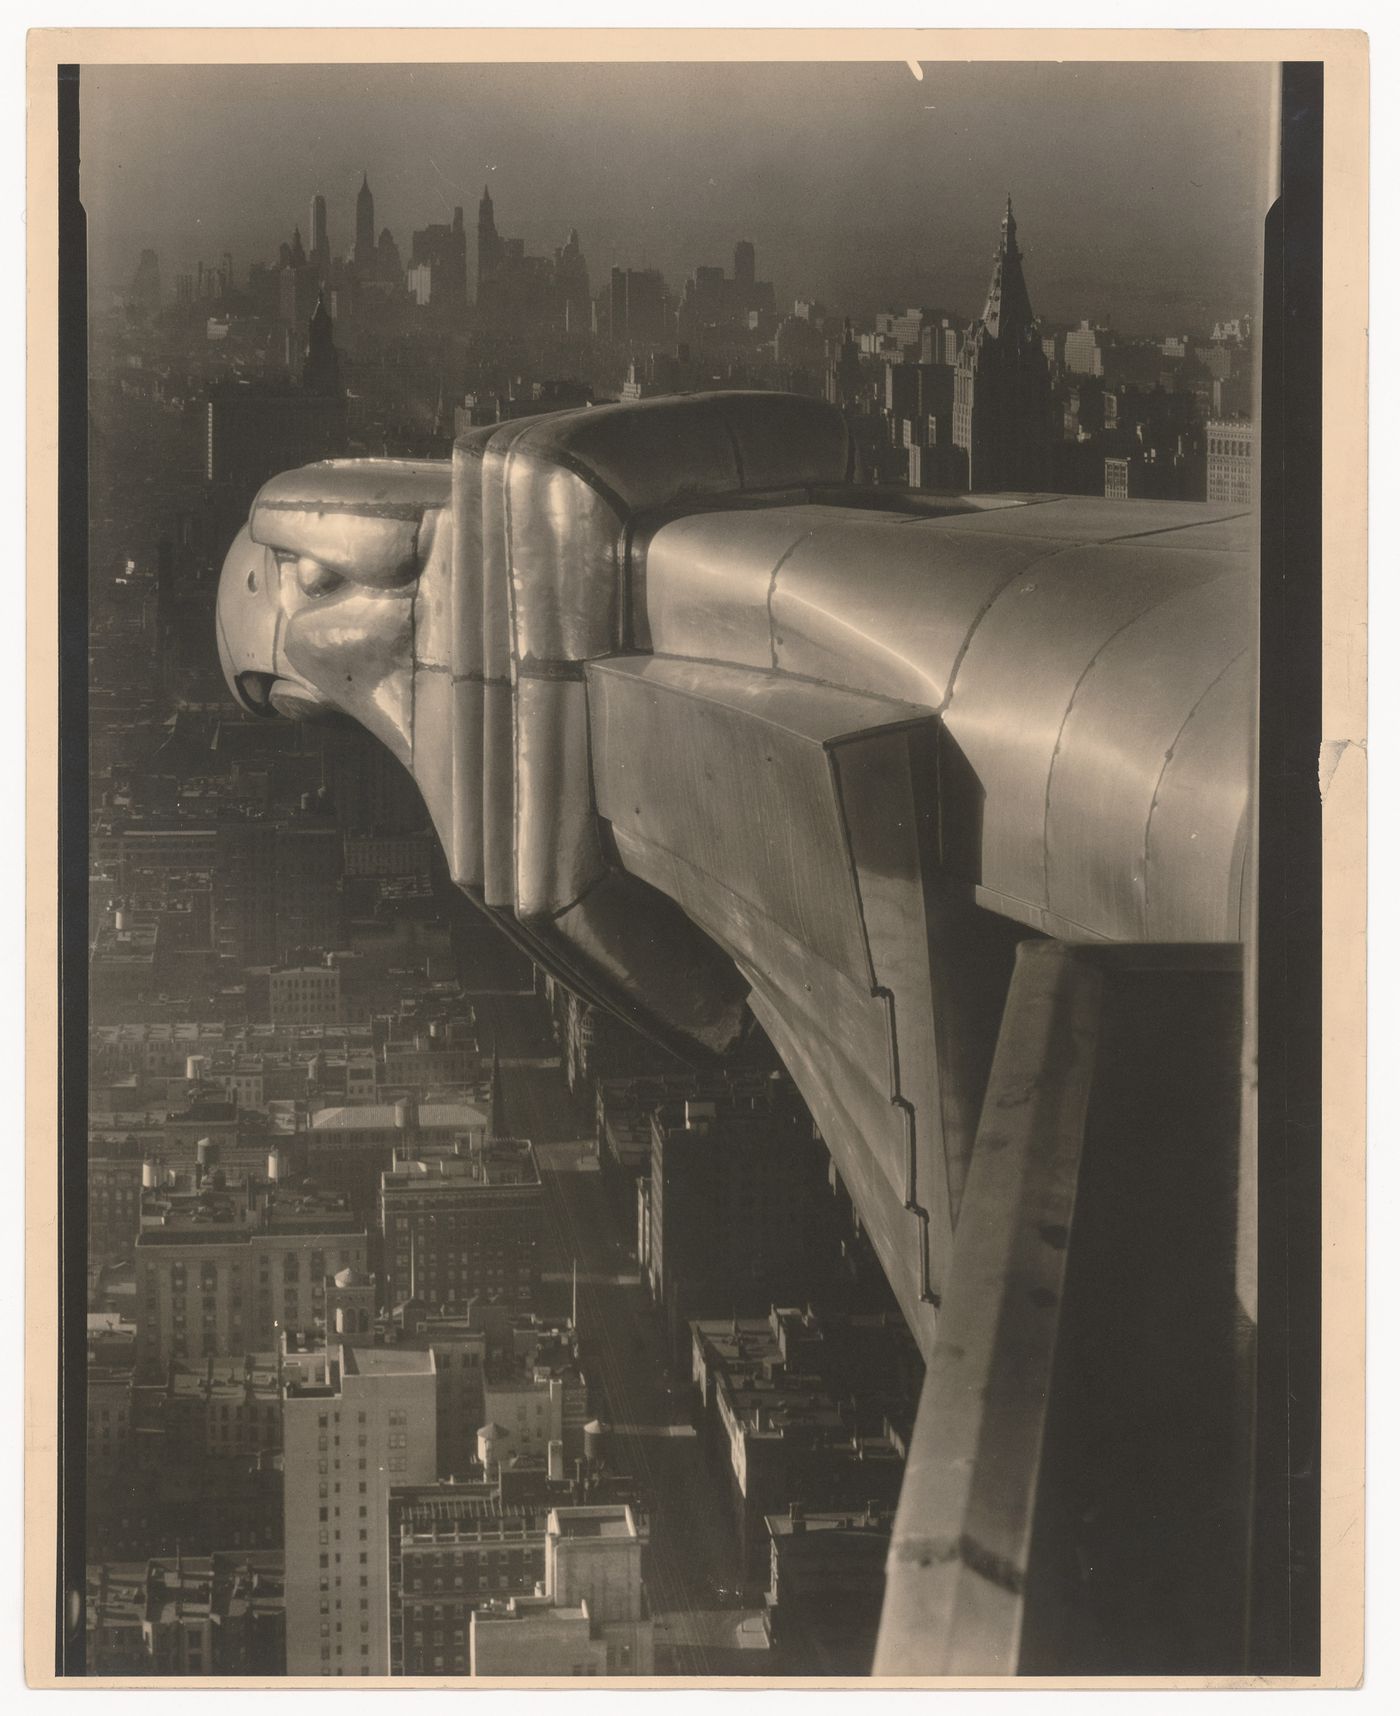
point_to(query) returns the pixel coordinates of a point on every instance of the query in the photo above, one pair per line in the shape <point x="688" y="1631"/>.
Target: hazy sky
<point x="1139" y="190"/>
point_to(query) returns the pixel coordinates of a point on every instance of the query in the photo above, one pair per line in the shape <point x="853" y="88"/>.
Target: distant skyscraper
<point x="365" y="247"/>
<point x="443" y="251"/>
<point x="1084" y="350"/>
<point x="744" y="263"/>
<point x="320" y="232"/>
<point x="638" y="307"/>
<point x="145" y="286"/>
<point x="571" y="276"/>
<point x="1001" y="401"/>
<point x="321" y="371"/>
<point x="488" y="242"/>
<point x="390" y="264"/>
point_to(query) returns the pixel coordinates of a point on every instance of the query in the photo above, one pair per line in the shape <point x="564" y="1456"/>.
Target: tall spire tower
<point x="321" y="371"/>
<point x="488" y="243"/>
<point x="1008" y="306"/>
<point x="1002" y="407"/>
<point x="365" y="248"/>
<point x="320" y="232"/>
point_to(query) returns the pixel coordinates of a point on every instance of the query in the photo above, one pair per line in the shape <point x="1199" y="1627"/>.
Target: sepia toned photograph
<point x="690" y="925"/>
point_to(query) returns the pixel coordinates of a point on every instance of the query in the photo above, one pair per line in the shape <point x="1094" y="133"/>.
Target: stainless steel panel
<point x="498" y="742"/>
<point x="709" y="579"/>
<point x="434" y="733"/>
<point x="781" y="439"/>
<point x="1235" y="534"/>
<point x="886" y="789"/>
<point x="468" y="550"/>
<point x="647" y="961"/>
<point x="851" y="1022"/>
<point x="498" y="795"/>
<point x="860" y="1147"/>
<point x="495" y="555"/>
<point x="1199" y="833"/>
<point x="466" y="853"/>
<point x="1016" y="681"/>
<point x="879" y="602"/>
<point x="557" y="854"/>
<point x="728" y="768"/>
<point x="467" y="856"/>
<point x="1088" y="518"/>
<point x="646" y="454"/>
<point x="565" y="567"/>
<point x="433" y="602"/>
<point x="1117" y="739"/>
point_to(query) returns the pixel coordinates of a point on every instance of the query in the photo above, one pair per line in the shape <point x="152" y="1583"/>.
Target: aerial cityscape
<point x="440" y="1324"/>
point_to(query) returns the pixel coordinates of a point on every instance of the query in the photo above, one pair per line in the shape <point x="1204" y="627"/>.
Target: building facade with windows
<point x="357" y="1422"/>
<point x="1230" y="461"/>
<point x="472" y="1222"/>
<point x="224" y="1268"/>
<point x="453" y="1548"/>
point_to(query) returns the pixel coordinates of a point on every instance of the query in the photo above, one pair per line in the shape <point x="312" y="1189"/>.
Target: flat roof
<point x="614" y="1520"/>
<point x="432" y="1116"/>
<point x="387" y="1361"/>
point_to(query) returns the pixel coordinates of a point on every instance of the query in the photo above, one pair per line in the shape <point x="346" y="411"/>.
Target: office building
<point x="801" y="1408"/>
<point x="739" y="1208"/>
<point x="826" y="1587"/>
<point x="1002" y="407"/>
<point x="347" y="1149"/>
<point x="358" y="1420"/>
<point x="592" y="1618"/>
<point x="320" y="233"/>
<point x="453" y="1547"/>
<point x="320" y="374"/>
<point x="454" y="1226"/>
<point x="1085" y="349"/>
<point x="304" y="994"/>
<point x="225" y="1265"/>
<point x="442" y="250"/>
<point x="1230" y="461"/>
<point x="638" y="307"/>
<point x="365" y="247"/>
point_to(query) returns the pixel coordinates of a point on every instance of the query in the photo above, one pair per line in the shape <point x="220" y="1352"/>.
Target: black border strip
<point x="71" y="1166"/>
<point x="1286" y="1607"/>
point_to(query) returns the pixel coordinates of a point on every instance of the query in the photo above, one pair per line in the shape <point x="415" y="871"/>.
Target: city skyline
<point x="877" y="190"/>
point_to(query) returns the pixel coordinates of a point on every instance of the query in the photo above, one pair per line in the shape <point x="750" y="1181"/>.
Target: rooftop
<point x="614" y="1520"/>
<point x="386" y="1361"/>
<point x="382" y="1116"/>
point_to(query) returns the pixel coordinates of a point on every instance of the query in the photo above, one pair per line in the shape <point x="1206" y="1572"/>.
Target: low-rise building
<point x="304" y="994"/>
<point x="190" y="1615"/>
<point x="453" y="1547"/>
<point x="224" y="1266"/>
<point x="347" y="1149"/>
<point x="591" y="1618"/>
<point x="458" y="1225"/>
<point x="796" y="1413"/>
<point x="826" y="1587"/>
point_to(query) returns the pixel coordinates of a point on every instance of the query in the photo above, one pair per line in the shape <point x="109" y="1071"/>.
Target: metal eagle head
<point x="318" y="595"/>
